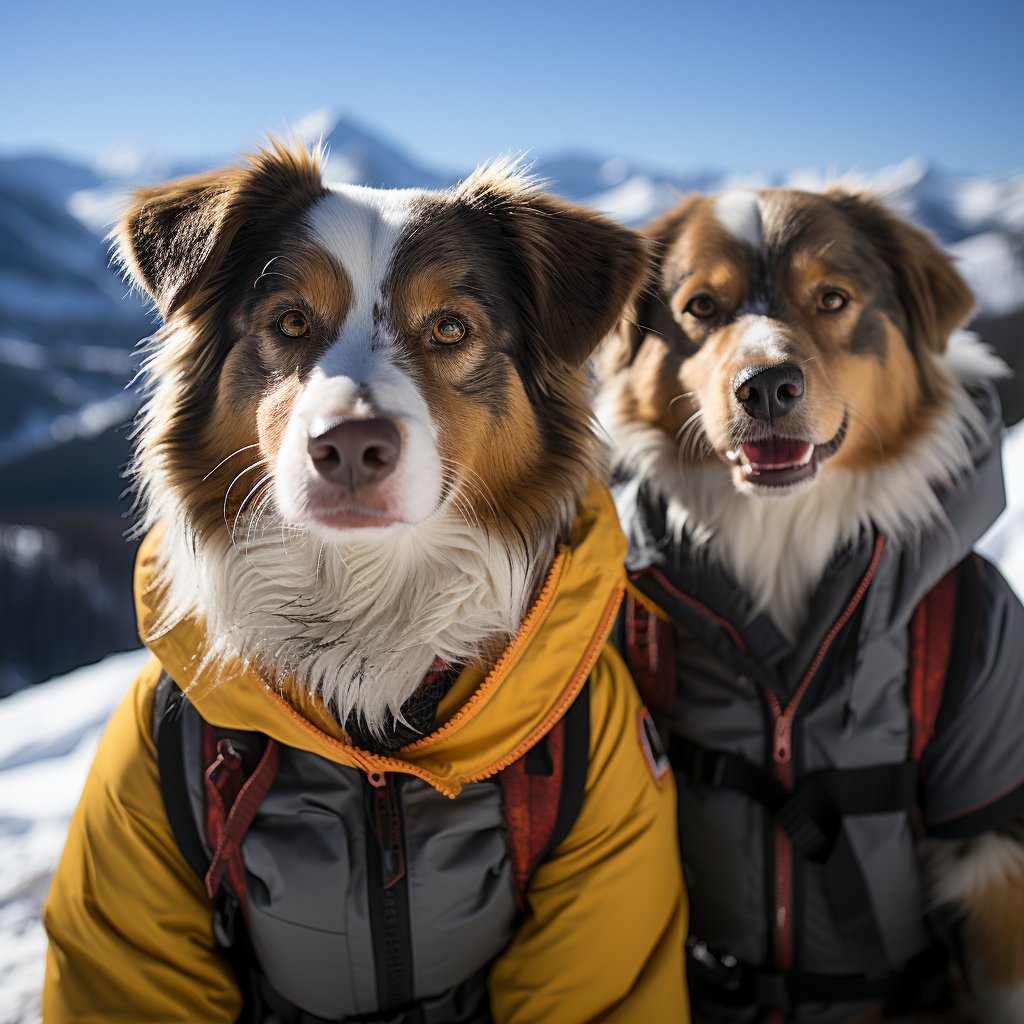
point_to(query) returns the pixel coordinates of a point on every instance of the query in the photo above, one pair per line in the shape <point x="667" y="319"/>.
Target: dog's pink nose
<point x="357" y="453"/>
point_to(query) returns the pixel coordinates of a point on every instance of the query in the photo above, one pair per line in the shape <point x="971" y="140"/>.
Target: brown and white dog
<point x="363" y="400"/>
<point x="788" y="382"/>
<point x="818" y="330"/>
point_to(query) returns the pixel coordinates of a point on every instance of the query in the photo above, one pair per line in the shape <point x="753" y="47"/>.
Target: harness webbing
<point x="232" y="801"/>
<point x="542" y="794"/>
<point x="812" y="814"/>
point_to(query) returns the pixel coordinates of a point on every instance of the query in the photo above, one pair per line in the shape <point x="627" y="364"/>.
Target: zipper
<point x="373" y="764"/>
<point x="569" y="694"/>
<point x="782" y="759"/>
<point x="783" y="925"/>
<point x="388" y="892"/>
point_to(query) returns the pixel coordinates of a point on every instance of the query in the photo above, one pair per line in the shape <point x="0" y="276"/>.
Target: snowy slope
<point x="1004" y="543"/>
<point x="48" y="735"/>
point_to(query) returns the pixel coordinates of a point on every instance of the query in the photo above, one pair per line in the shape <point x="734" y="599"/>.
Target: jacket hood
<point x="970" y="503"/>
<point x="974" y="501"/>
<point x="487" y="720"/>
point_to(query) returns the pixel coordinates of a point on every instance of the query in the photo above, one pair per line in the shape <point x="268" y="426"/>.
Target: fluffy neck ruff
<point x="778" y="549"/>
<point x="357" y="625"/>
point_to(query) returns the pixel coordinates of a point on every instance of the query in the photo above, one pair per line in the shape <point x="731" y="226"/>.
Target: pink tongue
<point x="777" y="453"/>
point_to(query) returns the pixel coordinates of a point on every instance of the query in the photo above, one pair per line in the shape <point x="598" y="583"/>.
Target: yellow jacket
<point x="604" y="930"/>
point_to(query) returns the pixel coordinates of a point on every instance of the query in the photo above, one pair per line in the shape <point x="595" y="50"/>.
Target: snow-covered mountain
<point x="62" y="308"/>
<point x="68" y="324"/>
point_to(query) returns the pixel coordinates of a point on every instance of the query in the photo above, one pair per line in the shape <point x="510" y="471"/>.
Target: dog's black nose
<point x="770" y="392"/>
<point x="356" y="453"/>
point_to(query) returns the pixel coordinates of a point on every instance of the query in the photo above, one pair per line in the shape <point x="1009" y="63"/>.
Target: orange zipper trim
<point x="569" y="694"/>
<point x="535" y="618"/>
<point x="361" y="759"/>
<point x="371" y="763"/>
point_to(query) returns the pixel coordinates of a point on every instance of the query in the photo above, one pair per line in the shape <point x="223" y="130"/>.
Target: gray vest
<point x="734" y="670"/>
<point x="385" y="903"/>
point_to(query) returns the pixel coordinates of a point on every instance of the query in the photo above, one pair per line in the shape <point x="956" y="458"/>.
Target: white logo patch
<point x="650" y="744"/>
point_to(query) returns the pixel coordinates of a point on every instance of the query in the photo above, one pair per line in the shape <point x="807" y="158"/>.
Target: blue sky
<point x="728" y="84"/>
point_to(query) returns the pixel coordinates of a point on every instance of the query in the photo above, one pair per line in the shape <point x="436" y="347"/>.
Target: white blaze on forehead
<point x="739" y="213"/>
<point x="359" y="376"/>
<point x="761" y="339"/>
<point x="361" y="228"/>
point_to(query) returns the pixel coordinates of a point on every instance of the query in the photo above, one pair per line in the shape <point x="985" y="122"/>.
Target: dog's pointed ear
<point x="934" y="297"/>
<point x="176" y="236"/>
<point x="581" y="269"/>
<point x="170" y="233"/>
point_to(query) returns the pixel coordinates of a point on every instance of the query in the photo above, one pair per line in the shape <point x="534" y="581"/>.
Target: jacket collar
<point x="493" y="718"/>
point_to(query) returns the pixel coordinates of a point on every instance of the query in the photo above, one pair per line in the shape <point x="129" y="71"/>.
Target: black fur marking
<point x="654" y="316"/>
<point x="488" y="385"/>
<point x="869" y="337"/>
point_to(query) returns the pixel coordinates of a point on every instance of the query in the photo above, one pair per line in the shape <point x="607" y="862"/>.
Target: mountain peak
<point x="316" y="125"/>
<point x="357" y="154"/>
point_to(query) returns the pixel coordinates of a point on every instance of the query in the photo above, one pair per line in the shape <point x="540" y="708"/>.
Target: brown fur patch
<point x="994" y="934"/>
<point x="197" y="245"/>
<point x="537" y="282"/>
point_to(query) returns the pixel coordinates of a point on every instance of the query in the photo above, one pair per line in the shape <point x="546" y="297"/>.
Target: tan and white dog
<point x="365" y="446"/>
<point x="791" y="387"/>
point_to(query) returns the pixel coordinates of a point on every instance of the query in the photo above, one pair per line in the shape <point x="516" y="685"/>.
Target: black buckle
<point x="707" y="767"/>
<point x="722" y="970"/>
<point x="807" y="834"/>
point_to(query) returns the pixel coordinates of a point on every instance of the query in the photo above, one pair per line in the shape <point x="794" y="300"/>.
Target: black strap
<point x="575" y="764"/>
<point x="921" y="985"/>
<point x="812" y="817"/>
<point x="169" y="706"/>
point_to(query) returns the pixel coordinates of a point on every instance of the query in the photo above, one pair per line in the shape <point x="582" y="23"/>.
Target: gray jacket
<point x="853" y="714"/>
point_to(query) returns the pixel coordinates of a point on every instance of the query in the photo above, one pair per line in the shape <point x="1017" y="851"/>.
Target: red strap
<point x="531" y="810"/>
<point x="232" y="801"/>
<point x="931" y="643"/>
<point x="650" y="655"/>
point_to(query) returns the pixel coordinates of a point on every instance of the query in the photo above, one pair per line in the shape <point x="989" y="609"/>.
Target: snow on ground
<point x="48" y="734"/>
<point x="1004" y="543"/>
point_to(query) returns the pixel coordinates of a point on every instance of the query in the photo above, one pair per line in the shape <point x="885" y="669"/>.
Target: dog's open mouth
<point x="782" y="462"/>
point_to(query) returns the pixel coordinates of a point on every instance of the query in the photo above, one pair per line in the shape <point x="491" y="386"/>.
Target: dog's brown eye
<point x="448" y="330"/>
<point x="701" y="306"/>
<point x="831" y="301"/>
<point x="293" y="324"/>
